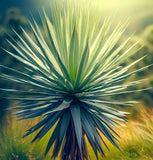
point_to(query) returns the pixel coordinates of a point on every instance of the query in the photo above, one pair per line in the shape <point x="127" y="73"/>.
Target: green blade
<point x="75" y="111"/>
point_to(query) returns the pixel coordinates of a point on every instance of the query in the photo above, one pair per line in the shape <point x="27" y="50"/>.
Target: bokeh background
<point x="137" y="138"/>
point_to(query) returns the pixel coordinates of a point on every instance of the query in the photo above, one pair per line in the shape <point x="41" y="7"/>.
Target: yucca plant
<point x="76" y="67"/>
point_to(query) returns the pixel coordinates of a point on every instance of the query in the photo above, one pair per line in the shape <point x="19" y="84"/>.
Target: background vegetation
<point x="136" y="139"/>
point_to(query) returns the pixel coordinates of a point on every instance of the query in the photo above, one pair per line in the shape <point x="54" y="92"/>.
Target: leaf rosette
<point x="75" y="66"/>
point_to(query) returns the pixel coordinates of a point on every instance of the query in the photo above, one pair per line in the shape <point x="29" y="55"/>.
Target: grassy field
<point x="136" y="140"/>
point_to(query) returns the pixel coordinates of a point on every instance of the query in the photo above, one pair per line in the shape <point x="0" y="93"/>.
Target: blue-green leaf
<point x="53" y="137"/>
<point x="75" y="111"/>
<point x="48" y="126"/>
<point x="88" y="130"/>
<point x="64" y="124"/>
<point x="82" y="65"/>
